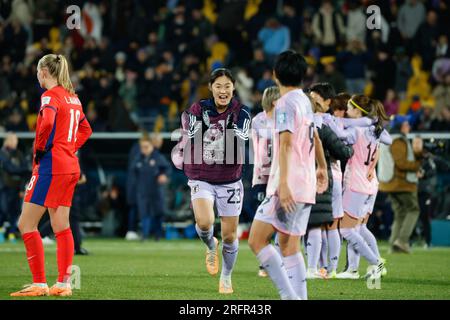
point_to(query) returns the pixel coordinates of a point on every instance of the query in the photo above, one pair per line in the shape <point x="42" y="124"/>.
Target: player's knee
<point x="229" y="237"/>
<point x="204" y="225"/>
<point x="58" y="226"/>
<point x="25" y="226"/>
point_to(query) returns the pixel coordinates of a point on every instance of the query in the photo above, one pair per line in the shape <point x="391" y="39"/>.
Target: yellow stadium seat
<point x="209" y="11"/>
<point x="31" y="121"/>
<point x="251" y="9"/>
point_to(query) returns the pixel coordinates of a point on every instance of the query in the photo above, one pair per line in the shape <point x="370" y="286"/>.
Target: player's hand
<point x="322" y="180"/>
<point x="286" y="199"/>
<point x="41" y="153"/>
<point x="417" y="145"/>
<point x="82" y="180"/>
<point x="162" y="179"/>
<point x="371" y="175"/>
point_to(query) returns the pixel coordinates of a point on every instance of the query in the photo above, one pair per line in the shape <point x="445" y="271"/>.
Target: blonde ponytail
<point x="59" y="69"/>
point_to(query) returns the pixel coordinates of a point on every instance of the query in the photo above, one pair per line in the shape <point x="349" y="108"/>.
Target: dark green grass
<point x="175" y="270"/>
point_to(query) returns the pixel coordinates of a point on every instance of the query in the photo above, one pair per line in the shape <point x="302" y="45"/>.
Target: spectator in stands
<point x="426" y="39"/>
<point x="441" y="94"/>
<point x="150" y="171"/>
<point x="331" y="75"/>
<point x="13" y="170"/>
<point x="353" y="62"/>
<point x="442" y="123"/>
<point x="293" y="20"/>
<point x="402" y="188"/>
<point x="356" y="23"/>
<point x="275" y="38"/>
<point x="328" y="27"/>
<point x="266" y="81"/>
<point x="403" y="72"/>
<point x="410" y="17"/>
<point x="391" y="103"/>
<point x="383" y="68"/>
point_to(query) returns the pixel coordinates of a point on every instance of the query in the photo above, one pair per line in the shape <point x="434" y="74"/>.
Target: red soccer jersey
<point x="61" y="123"/>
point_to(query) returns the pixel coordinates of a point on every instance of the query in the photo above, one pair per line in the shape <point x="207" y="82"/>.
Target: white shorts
<point x="292" y="223"/>
<point x="336" y="199"/>
<point x="357" y="204"/>
<point x="228" y="198"/>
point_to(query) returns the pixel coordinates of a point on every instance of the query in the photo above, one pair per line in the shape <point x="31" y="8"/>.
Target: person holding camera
<point x="401" y="187"/>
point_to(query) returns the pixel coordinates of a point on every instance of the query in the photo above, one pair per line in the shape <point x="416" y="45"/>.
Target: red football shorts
<point x="51" y="191"/>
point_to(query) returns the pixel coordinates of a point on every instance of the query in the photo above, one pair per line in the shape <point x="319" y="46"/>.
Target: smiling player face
<point x="222" y="89"/>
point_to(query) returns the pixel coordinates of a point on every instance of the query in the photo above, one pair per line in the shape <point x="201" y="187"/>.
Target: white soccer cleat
<point x="131" y="236"/>
<point x="47" y="241"/>
<point x="374" y="271"/>
<point x="314" y="274"/>
<point x="212" y="259"/>
<point x="348" y="274"/>
<point x="262" y="273"/>
<point x="225" y="286"/>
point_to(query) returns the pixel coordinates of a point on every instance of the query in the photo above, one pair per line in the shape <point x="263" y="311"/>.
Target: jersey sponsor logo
<point x="45" y="100"/>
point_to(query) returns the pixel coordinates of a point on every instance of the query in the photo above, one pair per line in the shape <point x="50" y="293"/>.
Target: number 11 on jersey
<point x="74" y="117"/>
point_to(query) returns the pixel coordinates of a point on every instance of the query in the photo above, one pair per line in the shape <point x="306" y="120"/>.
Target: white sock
<point x="269" y="258"/>
<point x="334" y="248"/>
<point x="324" y="250"/>
<point x="206" y="236"/>
<point x="63" y="284"/>
<point x="40" y="284"/>
<point x="370" y="239"/>
<point x="229" y="255"/>
<point x="353" y="258"/>
<point x="313" y="245"/>
<point x="296" y="270"/>
<point x="276" y="244"/>
<point x="357" y="242"/>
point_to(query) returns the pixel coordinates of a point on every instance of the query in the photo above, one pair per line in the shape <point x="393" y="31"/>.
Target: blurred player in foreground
<point x="287" y="206"/>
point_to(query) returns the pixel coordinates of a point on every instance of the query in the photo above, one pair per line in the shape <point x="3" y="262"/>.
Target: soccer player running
<point x="262" y="130"/>
<point x="292" y="184"/>
<point x="360" y="180"/>
<point x="61" y="130"/>
<point x="211" y="154"/>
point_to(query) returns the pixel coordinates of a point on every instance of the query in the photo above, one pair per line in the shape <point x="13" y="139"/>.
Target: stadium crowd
<point x="139" y="64"/>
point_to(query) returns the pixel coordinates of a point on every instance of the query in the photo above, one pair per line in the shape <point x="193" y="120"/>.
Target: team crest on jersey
<point x="195" y="189"/>
<point x="45" y="100"/>
<point x="151" y="162"/>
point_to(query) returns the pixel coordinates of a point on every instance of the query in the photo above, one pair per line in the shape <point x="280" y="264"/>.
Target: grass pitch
<point x="175" y="270"/>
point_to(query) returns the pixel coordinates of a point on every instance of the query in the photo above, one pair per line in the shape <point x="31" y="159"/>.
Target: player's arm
<point x="164" y="170"/>
<point x="84" y="132"/>
<point x="241" y="129"/>
<point x="385" y="137"/>
<point x="321" y="172"/>
<point x="48" y="116"/>
<point x="286" y="199"/>
<point x="373" y="165"/>
<point x="357" y="122"/>
<point x="338" y="149"/>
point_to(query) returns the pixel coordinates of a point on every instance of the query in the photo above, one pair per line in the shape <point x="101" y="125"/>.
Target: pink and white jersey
<point x="293" y="113"/>
<point x="365" y="144"/>
<point x="262" y="131"/>
<point x="336" y="171"/>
